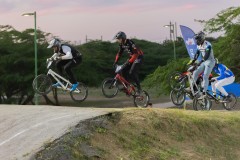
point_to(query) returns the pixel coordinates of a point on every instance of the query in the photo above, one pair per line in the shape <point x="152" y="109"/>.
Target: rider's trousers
<point x="206" y="67"/>
<point x="67" y="65"/>
<point x="223" y="82"/>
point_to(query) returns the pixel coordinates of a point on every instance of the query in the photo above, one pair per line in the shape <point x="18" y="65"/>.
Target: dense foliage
<point x="17" y="63"/>
<point x="227" y="48"/>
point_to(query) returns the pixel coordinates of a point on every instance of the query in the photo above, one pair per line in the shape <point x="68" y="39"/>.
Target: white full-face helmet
<point x="54" y="43"/>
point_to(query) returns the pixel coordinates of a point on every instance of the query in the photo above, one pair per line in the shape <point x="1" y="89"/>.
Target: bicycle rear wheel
<point x="202" y="104"/>
<point x="231" y="103"/>
<point x="177" y="80"/>
<point x="177" y="97"/>
<point x="42" y="84"/>
<point x="110" y="87"/>
<point x="142" y="100"/>
<point x="80" y="94"/>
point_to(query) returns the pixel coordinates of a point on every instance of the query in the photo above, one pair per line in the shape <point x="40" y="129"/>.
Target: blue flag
<point x="188" y="37"/>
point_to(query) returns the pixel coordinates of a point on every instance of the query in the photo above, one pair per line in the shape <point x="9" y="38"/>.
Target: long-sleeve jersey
<point x="222" y="71"/>
<point x="67" y="51"/>
<point x="206" y="51"/>
<point x="135" y="54"/>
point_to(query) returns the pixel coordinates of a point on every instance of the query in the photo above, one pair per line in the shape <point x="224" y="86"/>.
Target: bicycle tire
<point x="230" y="105"/>
<point x="80" y="94"/>
<point x="177" y="97"/>
<point x="110" y="87"/>
<point x="175" y="82"/>
<point x="42" y="84"/>
<point x="205" y="104"/>
<point x="141" y="101"/>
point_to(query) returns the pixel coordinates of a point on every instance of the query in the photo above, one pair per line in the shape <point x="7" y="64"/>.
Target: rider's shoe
<point x="56" y="85"/>
<point x="74" y="87"/>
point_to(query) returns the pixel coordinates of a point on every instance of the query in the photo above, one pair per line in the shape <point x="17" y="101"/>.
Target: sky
<point x="73" y="20"/>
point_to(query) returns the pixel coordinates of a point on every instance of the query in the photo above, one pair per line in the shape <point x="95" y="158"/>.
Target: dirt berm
<point x="150" y="134"/>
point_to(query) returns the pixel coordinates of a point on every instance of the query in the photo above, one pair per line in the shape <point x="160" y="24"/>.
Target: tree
<point x="224" y="20"/>
<point x="227" y="47"/>
<point x="16" y="64"/>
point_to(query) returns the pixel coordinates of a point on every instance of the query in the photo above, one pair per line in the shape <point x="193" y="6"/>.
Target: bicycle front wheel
<point x="178" y="97"/>
<point x="142" y="100"/>
<point x="231" y="102"/>
<point x="110" y="87"/>
<point x="202" y="104"/>
<point x="42" y="84"/>
<point x="80" y="94"/>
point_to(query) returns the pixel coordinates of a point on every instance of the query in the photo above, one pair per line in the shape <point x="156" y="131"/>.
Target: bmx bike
<point x="111" y="87"/>
<point x="42" y="85"/>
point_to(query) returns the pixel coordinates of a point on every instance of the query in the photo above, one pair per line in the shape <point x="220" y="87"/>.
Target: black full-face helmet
<point x="200" y="37"/>
<point x="120" y="35"/>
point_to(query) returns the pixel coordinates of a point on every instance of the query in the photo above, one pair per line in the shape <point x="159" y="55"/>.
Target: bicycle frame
<point x="125" y="83"/>
<point x="57" y="77"/>
<point x="192" y="84"/>
<point x="217" y="100"/>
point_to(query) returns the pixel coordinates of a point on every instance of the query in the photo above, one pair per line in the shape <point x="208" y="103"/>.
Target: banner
<point x="188" y="37"/>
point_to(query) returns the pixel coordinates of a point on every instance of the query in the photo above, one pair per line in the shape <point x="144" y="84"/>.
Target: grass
<point x="171" y="134"/>
<point x="153" y="134"/>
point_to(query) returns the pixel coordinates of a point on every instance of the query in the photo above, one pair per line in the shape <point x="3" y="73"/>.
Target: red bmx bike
<point x="111" y="87"/>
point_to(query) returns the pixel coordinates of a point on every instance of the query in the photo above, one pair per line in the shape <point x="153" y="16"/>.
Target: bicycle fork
<point x="113" y="83"/>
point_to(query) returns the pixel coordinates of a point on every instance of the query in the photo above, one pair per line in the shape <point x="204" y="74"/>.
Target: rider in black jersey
<point x="135" y="58"/>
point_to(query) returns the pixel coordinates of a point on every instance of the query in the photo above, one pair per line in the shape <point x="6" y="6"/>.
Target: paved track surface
<point x="24" y="129"/>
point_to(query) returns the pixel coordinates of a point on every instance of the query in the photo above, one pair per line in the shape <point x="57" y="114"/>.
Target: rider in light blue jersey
<point x="204" y="49"/>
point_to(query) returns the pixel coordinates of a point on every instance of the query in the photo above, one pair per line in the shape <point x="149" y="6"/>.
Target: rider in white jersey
<point x="67" y="58"/>
<point x="204" y="49"/>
